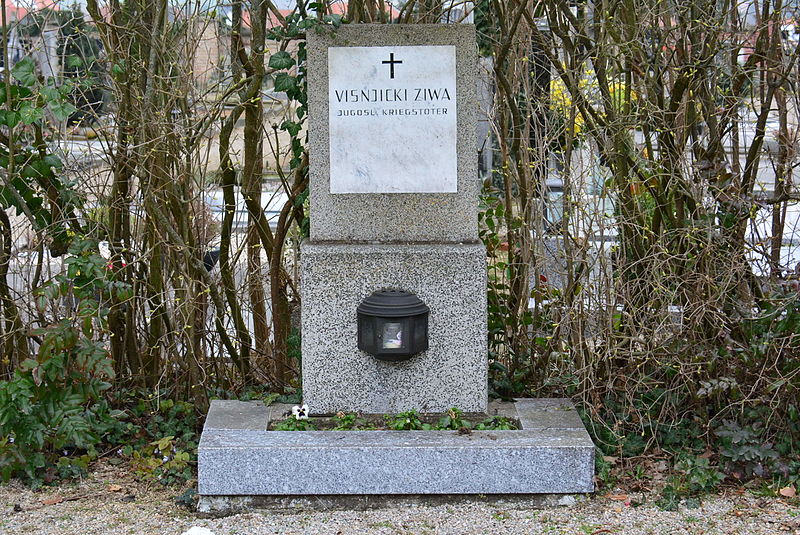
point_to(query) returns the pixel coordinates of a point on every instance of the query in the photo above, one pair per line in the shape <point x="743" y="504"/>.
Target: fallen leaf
<point x="610" y="459"/>
<point x="788" y="492"/>
<point x="52" y="501"/>
<point x="617" y="497"/>
<point x="114" y="488"/>
<point x="76" y="497"/>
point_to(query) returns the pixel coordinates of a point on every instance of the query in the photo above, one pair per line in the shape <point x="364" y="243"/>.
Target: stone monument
<point x="393" y="285"/>
<point x="394" y="204"/>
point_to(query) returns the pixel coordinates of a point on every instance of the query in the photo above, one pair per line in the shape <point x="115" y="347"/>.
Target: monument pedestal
<point x="449" y="278"/>
<point x="242" y="465"/>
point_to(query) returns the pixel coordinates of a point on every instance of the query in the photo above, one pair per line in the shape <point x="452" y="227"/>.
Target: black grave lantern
<point x="392" y="325"/>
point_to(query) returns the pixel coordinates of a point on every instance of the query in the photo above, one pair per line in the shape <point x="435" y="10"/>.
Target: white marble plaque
<point x="392" y="118"/>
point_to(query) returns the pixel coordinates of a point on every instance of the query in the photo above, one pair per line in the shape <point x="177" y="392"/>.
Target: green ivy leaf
<point x="49" y="93"/>
<point x="37" y="169"/>
<point x="24" y="72"/>
<point x="291" y="127"/>
<point x="65" y="89"/>
<point x="6" y="199"/>
<point x="53" y="161"/>
<point x="335" y="20"/>
<point x="30" y="114"/>
<point x="285" y="82"/>
<point x="9" y="118"/>
<point x="62" y="110"/>
<point x="281" y="60"/>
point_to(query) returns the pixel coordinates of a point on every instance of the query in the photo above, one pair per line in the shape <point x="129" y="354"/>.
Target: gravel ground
<point x="111" y="502"/>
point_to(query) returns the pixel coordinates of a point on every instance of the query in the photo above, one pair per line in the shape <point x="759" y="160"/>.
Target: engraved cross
<point x="391" y="62"/>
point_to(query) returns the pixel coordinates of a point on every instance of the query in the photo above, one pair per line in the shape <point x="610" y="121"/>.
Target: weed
<point x="161" y="461"/>
<point x="693" y="476"/>
<point x="744" y="451"/>
<point x="155" y="429"/>
<point x="496" y="423"/>
<point x="349" y="421"/>
<point x="187" y="499"/>
<point x="500" y="516"/>
<point x="293" y="424"/>
<point x="406" y="421"/>
<point x="454" y="419"/>
<point x="604" y="470"/>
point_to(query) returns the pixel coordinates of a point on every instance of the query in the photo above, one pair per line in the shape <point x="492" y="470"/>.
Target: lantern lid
<point x="390" y="303"/>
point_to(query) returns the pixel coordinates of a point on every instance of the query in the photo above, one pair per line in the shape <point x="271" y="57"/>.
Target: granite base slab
<point x="238" y="457"/>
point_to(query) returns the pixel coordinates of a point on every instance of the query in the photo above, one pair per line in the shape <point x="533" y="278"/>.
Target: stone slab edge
<point x="546" y="459"/>
<point x="447" y="217"/>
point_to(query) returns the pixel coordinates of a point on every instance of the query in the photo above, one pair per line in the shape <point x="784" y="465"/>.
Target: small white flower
<point x="300" y="412"/>
<point x="10" y="440"/>
<point x="165" y="459"/>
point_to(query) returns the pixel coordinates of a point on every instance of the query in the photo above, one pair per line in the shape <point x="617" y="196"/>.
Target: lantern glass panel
<point x="392" y="335"/>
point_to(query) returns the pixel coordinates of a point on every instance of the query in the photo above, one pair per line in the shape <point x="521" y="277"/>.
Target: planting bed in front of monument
<point x="551" y="453"/>
<point x="453" y="420"/>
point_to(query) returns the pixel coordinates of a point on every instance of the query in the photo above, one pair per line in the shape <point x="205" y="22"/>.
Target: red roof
<point x="336" y="7"/>
<point x="14" y="12"/>
<point x="17" y="10"/>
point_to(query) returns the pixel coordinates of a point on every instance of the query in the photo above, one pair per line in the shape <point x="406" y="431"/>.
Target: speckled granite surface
<point x="237" y="459"/>
<point x="449" y="278"/>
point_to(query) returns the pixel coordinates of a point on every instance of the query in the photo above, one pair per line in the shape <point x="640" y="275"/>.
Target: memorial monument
<point x="393" y="286"/>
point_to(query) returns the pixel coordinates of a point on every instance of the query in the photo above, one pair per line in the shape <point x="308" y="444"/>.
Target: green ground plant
<point x="407" y="421"/>
<point x="692" y="477"/>
<point x="54" y="404"/>
<point x="348" y="421"/>
<point x="454" y="419"/>
<point x="162" y="461"/>
<point x="293" y="424"/>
